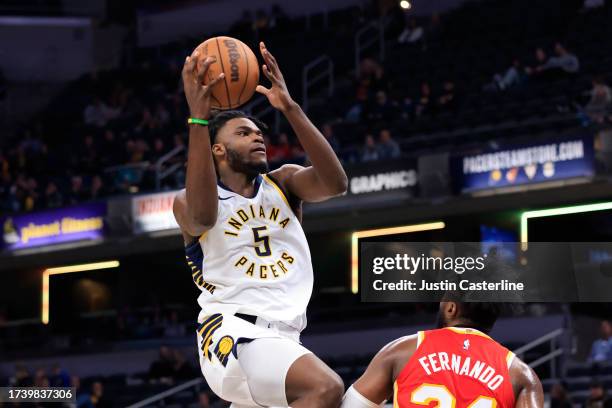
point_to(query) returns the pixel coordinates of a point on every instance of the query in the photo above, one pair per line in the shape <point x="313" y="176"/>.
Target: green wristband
<point x="196" y="121"/>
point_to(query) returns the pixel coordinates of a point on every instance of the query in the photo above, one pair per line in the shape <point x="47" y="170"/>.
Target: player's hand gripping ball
<point x="239" y="65"/>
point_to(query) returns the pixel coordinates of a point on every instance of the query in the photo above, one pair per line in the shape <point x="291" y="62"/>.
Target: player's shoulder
<point x="397" y="353"/>
<point x="285" y="171"/>
<point x="401" y="345"/>
<point x="521" y="374"/>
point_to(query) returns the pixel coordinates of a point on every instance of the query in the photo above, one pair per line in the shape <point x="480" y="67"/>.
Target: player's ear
<point x="218" y="149"/>
<point x="451" y="311"/>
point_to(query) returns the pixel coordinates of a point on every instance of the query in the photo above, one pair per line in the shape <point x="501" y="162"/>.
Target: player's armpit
<point x="376" y="384"/>
<point x="527" y="386"/>
<point x="181" y="214"/>
<point x="303" y="182"/>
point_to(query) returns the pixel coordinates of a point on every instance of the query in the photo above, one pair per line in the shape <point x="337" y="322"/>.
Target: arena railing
<point x="551" y="338"/>
<point x="551" y="357"/>
<point x="160" y="172"/>
<point x="195" y="383"/>
<point x="316" y="71"/>
<point x="368" y="36"/>
<point x="260" y="107"/>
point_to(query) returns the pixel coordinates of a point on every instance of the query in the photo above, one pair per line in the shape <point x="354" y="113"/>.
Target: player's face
<point x="244" y="145"/>
<point x="606" y="329"/>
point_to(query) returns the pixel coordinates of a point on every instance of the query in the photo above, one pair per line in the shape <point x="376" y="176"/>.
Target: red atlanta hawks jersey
<point x="456" y="368"/>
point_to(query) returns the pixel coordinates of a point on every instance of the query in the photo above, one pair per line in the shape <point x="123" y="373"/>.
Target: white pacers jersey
<point x="255" y="260"/>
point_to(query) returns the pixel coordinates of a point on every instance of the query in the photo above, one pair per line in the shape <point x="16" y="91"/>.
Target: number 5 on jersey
<point x="261" y="240"/>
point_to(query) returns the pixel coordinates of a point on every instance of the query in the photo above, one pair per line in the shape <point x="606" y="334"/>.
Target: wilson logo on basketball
<point x="234" y="56"/>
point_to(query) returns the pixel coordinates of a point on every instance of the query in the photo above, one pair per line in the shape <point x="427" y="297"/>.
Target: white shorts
<point x="247" y="363"/>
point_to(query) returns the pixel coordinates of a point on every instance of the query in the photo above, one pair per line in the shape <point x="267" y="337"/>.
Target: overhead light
<point x="377" y="233"/>
<point x="47" y="273"/>
<point x="405" y="5"/>
<point x="551" y="212"/>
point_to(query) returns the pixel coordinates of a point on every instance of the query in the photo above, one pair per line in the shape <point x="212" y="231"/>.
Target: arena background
<point x="419" y="100"/>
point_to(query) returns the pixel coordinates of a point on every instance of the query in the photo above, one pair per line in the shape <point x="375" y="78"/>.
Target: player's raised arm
<point x="527" y="386"/>
<point x="326" y="177"/>
<point x="196" y="209"/>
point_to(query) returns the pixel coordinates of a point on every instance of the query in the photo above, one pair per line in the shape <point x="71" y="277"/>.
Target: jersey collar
<point x="467" y="330"/>
<point x="258" y="181"/>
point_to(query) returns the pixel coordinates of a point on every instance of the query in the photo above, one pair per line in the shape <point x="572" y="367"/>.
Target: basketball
<point x="238" y="62"/>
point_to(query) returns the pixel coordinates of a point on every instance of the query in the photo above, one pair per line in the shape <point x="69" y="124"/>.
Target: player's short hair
<point x="477" y="315"/>
<point x="481" y="315"/>
<point x="220" y="118"/>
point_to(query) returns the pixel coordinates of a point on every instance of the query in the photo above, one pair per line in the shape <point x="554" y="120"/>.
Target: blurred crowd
<point x="128" y="120"/>
<point x="169" y="369"/>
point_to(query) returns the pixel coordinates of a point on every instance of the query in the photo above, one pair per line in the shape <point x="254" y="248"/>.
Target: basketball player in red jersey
<point x="455" y="366"/>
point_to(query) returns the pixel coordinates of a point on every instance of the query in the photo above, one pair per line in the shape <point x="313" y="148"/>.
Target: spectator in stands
<point x="161" y="116"/>
<point x="593" y="4"/>
<point x="278" y="17"/>
<point x="98" y="398"/>
<point x="512" y="77"/>
<point x="182" y="369"/>
<point x="434" y="29"/>
<point x="540" y="60"/>
<point x="179" y="139"/>
<point x="40" y="378"/>
<point x="387" y="147"/>
<point x="328" y="131"/>
<point x="97" y="190"/>
<point x="83" y="398"/>
<point x="601" y="350"/>
<point x="282" y="150"/>
<point x="77" y="192"/>
<point x="173" y="328"/>
<point x="565" y="63"/>
<point x="22" y="377"/>
<point x="59" y="377"/>
<point x="412" y="33"/>
<point x="447" y="100"/>
<point x="424" y="102"/>
<point x="108" y="149"/>
<point x="159" y="148"/>
<point x="30" y="197"/>
<point x="96" y="113"/>
<point x="162" y="369"/>
<point x="598" y="397"/>
<point x="148" y="124"/>
<point x="261" y="22"/>
<point x="382" y="110"/>
<point x="600" y="103"/>
<point x="203" y="400"/>
<point x="87" y="157"/>
<point x="370" y="149"/>
<point x="53" y="198"/>
<point x="406" y="108"/>
<point x="559" y="397"/>
<point x="379" y="81"/>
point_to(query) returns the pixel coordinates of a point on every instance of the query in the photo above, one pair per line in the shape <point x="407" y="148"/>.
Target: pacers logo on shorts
<point x="224" y="347"/>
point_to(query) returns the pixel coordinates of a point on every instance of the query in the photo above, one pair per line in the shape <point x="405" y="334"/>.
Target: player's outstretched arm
<point x="195" y="209"/>
<point x="326" y="177"/>
<point x="375" y="386"/>
<point x="527" y="385"/>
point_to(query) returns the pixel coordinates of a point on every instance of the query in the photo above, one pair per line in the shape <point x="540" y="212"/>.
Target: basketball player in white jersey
<point x="247" y="250"/>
